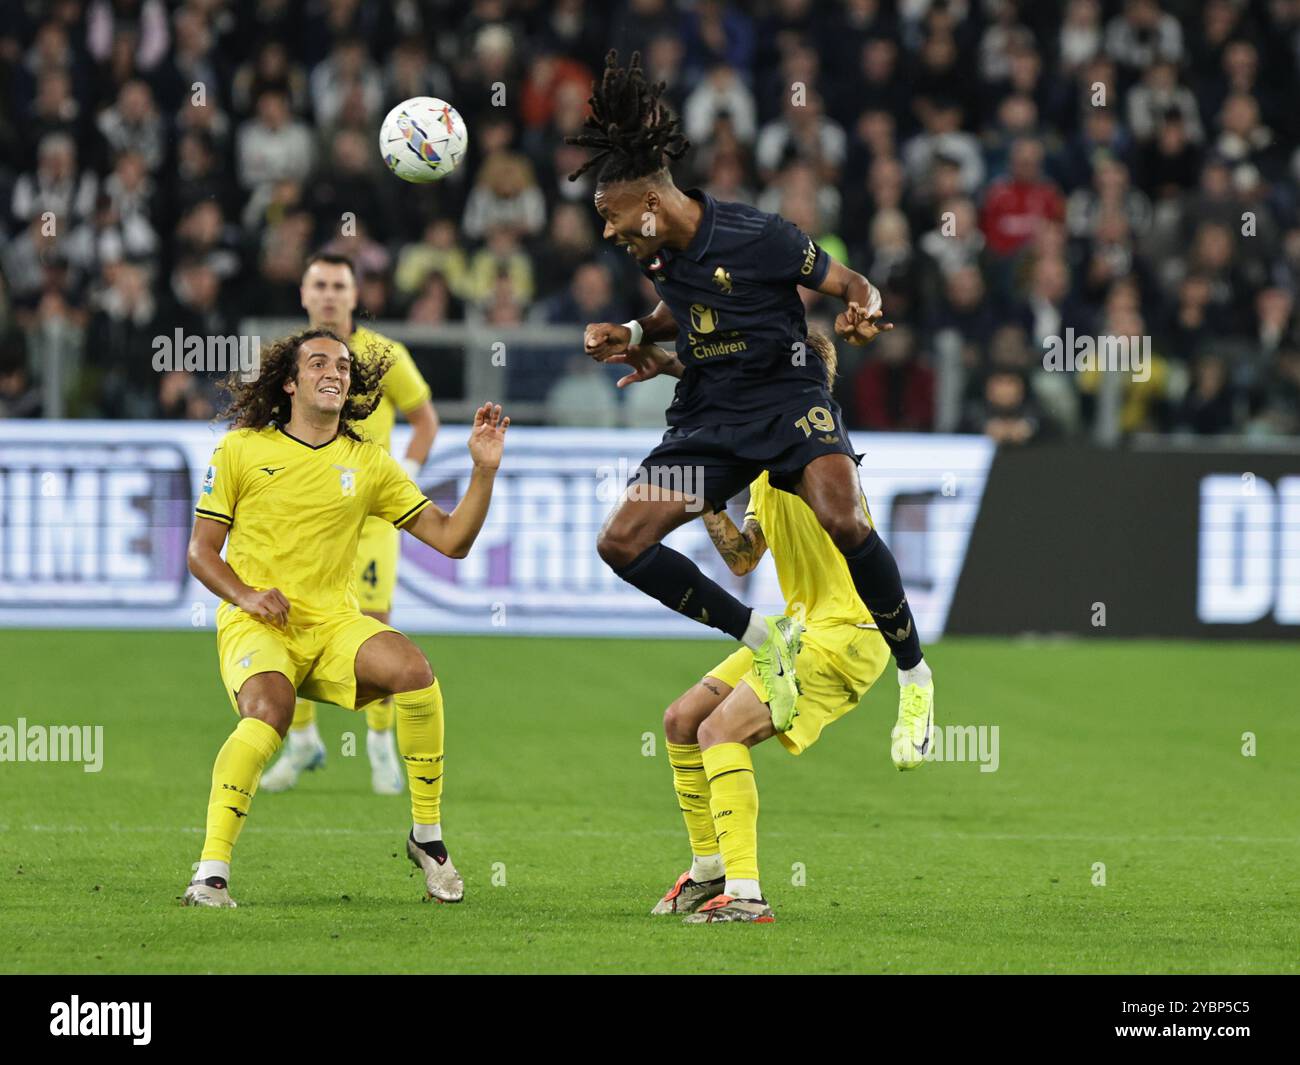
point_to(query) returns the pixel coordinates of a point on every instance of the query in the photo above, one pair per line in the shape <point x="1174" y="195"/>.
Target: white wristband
<point x="410" y="465"/>
<point x="637" y="332"/>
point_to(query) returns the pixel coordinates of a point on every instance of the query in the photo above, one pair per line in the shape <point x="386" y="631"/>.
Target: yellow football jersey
<point x="295" y="512"/>
<point x="404" y="387"/>
<point x="809" y="566"/>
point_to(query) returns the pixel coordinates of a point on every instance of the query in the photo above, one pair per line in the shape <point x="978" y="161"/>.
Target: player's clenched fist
<point x="603" y="339"/>
<point x="270" y="606"/>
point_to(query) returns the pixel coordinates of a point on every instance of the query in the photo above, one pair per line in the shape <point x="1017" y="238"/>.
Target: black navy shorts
<point x="726" y="458"/>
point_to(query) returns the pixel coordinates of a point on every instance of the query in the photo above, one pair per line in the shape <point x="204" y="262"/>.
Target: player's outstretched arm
<point x="860" y="322"/>
<point x="454" y="534"/>
<point x="740" y="548"/>
<point x="215" y="574"/>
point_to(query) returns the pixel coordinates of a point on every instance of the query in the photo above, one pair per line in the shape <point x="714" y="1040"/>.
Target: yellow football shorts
<point x="319" y="658"/>
<point x="377" y="565"/>
<point x="836" y="666"/>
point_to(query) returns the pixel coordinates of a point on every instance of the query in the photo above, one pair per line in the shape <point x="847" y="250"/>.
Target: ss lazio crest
<point x="347" y="479"/>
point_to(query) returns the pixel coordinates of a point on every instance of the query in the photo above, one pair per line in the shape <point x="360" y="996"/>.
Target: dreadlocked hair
<point x="631" y="131"/>
<point x="821" y="346"/>
<point x="263" y="401"/>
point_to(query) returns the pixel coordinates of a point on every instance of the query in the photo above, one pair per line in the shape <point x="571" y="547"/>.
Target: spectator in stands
<point x="894" y="389"/>
<point x="1080" y="35"/>
<point x="133" y="124"/>
<point x="570" y="242"/>
<point x="55" y="110"/>
<point x="121" y="334"/>
<point x="944" y="138"/>
<point x="722" y="92"/>
<point x="1159" y="94"/>
<point x="1208" y="408"/>
<point x="56" y="186"/>
<point x="1142" y="35"/>
<point x="1016" y="205"/>
<point x="202" y="235"/>
<point x="1110" y="191"/>
<point x="274" y="145"/>
<point x="1048" y="309"/>
<point x="1169" y="165"/>
<point x="1005" y="411"/>
<point x="143" y="24"/>
<point x="506" y="195"/>
<point x="19" y="397"/>
<point x="956" y="241"/>
<point x="194" y="60"/>
<point x="109" y="238"/>
<point x="547" y="74"/>
<point x="502" y="256"/>
<point x="1278" y="397"/>
<point x="349" y="67"/>
<point x="351" y="186"/>
<point x="965" y="319"/>
<point x="196" y="307"/>
<point x="270" y="68"/>
<point x="439" y="252"/>
<point x="435" y="303"/>
<point x="805" y="133"/>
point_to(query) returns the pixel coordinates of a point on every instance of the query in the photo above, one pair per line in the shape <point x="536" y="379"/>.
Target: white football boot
<point x="441" y="881"/>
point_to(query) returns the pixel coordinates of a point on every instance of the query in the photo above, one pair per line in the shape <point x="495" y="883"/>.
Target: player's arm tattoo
<point x="740" y="548"/>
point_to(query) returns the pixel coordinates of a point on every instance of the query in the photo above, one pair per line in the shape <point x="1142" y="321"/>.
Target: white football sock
<point x="756" y="632"/>
<point x="706" y="867"/>
<point x="918" y="674"/>
<point x="426" y="833"/>
<point x="381" y="746"/>
<point x="743" y="889"/>
<point x="213" y="868"/>
<point x="304" y="740"/>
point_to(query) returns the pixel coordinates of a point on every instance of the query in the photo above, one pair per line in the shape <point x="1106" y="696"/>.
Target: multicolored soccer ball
<point x="423" y="139"/>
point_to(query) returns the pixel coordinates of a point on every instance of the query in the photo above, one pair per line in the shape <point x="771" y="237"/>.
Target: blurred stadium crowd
<point x="1002" y="170"/>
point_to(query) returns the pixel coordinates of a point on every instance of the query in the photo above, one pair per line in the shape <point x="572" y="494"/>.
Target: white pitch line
<point x="812" y="836"/>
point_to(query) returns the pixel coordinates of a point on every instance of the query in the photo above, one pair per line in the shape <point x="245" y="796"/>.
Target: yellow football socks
<point x="733" y="798"/>
<point x="419" y="739"/>
<point x="693" y="796"/>
<point x="235" y="774"/>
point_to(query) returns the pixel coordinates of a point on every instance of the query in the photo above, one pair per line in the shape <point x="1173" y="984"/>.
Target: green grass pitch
<point x="1127" y="754"/>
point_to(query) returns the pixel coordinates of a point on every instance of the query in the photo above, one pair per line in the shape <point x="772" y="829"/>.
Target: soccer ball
<point x="423" y="139"/>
